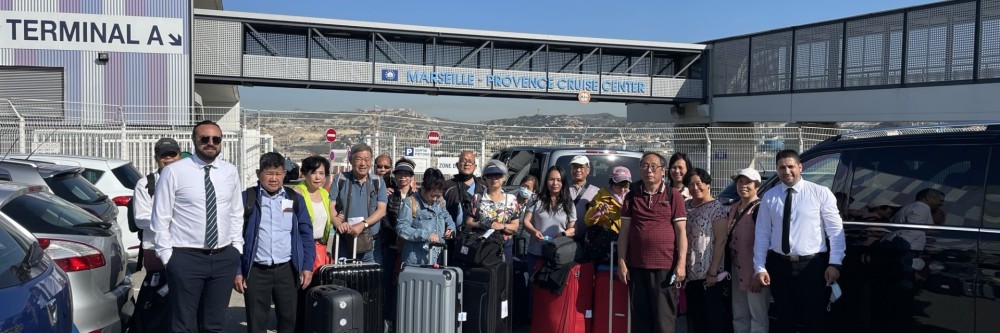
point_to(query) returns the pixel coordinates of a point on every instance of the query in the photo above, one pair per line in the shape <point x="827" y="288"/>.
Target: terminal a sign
<point x="525" y="82"/>
<point x="88" y="32"/>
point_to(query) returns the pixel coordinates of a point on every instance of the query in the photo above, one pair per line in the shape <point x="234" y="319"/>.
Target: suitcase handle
<point x="611" y="294"/>
<point x="336" y="251"/>
<point x="444" y="252"/>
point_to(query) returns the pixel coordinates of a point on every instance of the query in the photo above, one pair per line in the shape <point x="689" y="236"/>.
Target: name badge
<point x="286" y="205"/>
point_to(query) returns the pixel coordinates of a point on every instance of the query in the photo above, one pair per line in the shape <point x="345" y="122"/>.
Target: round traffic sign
<point x="433" y="137"/>
<point x="583" y="96"/>
<point x="332" y="155"/>
<point x="331" y="135"/>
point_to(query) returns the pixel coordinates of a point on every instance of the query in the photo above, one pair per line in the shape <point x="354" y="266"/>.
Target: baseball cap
<point x="580" y="159"/>
<point x="166" y="145"/>
<point x="404" y="165"/>
<point x="620" y="174"/>
<point x="494" y="167"/>
<point x="750" y="173"/>
<point x="879" y="202"/>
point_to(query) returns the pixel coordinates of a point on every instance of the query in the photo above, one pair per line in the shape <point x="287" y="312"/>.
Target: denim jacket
<point x="430" y="219"/>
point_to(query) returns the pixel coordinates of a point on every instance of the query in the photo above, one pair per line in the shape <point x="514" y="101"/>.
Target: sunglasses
<point x="170" y="154"/>
<point x="214" y="139"/>
<point x="383" y="166"/>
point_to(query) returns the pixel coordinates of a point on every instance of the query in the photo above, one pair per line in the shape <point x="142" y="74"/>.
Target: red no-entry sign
<point x="433" y="137"/>
<point x="331" y="135"/>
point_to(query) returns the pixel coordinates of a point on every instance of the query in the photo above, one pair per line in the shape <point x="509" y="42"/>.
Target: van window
<point x="521" y="164"/>
<point x="893" y="176"/>
<point x="92" y="175"/>
<point x="601" y="165"/>
<point x="73" y="188"/>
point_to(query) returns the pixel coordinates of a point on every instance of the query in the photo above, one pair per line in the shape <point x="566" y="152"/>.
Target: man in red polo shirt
<point x="647" y="248"/>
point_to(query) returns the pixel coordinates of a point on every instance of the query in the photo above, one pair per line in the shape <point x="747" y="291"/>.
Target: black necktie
<point x="786" y="224"/>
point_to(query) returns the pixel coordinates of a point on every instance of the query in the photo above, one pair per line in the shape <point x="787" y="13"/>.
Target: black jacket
<point x="456" y="195"/>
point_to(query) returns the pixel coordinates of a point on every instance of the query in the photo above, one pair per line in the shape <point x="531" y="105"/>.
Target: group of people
<point x="209" y="235"/>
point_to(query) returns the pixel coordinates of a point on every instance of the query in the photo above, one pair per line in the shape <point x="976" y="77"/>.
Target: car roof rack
<point x="921" y="129"/>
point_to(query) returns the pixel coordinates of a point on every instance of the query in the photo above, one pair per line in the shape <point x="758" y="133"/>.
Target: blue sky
<point x="657" y="20"/>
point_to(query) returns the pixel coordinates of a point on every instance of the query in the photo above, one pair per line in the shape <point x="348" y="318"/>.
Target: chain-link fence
<point x="129" y="133"/>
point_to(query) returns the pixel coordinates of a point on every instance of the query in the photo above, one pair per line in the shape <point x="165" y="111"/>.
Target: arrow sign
<point x="175" y="40"/>
<point x="331" y="135"/>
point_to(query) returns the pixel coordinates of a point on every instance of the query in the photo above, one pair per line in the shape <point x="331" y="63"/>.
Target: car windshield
<point x="75" y="189"/>
<point x="600" y="167"/>
<point x="127" y="175"/>
<point x="42" y="212"/>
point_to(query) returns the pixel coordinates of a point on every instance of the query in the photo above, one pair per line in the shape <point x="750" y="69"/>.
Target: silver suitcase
<point x="430" y="300"/>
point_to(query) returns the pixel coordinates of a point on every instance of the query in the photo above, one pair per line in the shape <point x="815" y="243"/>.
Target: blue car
<point x="35" y="292"/>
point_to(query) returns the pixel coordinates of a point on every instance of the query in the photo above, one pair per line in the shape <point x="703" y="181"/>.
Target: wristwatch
<point x="366" y="225"/>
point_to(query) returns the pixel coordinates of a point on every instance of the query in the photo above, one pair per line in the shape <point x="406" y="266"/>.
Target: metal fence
<point x="129" y="132"/>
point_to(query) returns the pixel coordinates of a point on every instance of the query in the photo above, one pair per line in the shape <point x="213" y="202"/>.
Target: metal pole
<point x="482" y="151"/>
<point x="394" y="150"/>
<point x="124" y="145"/>
<point x="801" y="141"/>
<point x="22" y="130"/>
<point x="708" y="152"/>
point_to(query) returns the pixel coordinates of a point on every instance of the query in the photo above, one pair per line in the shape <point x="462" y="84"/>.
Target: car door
<point x="910" y="265"/>
<point x="987" y="287"/>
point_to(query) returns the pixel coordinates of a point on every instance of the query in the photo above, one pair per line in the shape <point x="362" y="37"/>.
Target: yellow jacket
<point x="604" y="209"/>
<point x="323" y="193"/>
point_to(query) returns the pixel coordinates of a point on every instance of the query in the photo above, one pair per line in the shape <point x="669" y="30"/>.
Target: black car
<point x="901" y="276"/>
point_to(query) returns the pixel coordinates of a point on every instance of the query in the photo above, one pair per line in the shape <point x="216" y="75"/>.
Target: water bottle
<point x="547" y="238"/>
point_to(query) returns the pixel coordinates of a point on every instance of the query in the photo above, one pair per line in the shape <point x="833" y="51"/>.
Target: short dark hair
<point x="528" y="178"/>
<point x="929" y="192"/>
<point x="787" y="153"/>
<point x="312" y="163"/>
<point x="663" y="160"/>
<point x="360" y="147"/>
<point x="701" y="173"/>
<point x="383" y="156"/>
<point x="272" y="160"/>
<point x="204" y="122"/>
<point x="433" y="180"/>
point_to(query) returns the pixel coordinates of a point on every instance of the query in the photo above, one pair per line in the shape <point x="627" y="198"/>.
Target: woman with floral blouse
<point x="705" y="304"/>
<point x="495" y="209"/>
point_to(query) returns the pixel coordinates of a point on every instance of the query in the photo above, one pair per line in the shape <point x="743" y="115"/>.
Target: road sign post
<point x="331" y="135"/>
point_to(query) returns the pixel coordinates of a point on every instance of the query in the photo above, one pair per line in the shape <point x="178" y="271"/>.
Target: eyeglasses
<point x="169" y="154"/>
<point x="651" y="167"/>
<point x="382" y="166"/>
<point x="467" y="162"/>
<point x="493" y="176"/>
<point x="623" y="183"/>
<point x="214" y="139"/>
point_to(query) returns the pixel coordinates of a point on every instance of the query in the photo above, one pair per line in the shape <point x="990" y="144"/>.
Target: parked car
<point x="114" y="177"/>
<point x="900" y="275"/>
<point x="36" y="293"/>
<point x="523" y="161"/>
<point x="88" y="249"/>
<point x="66" y="182"/>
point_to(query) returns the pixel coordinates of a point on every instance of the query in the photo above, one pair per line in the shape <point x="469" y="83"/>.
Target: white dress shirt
<point x="179" y="206"/>
<point x="914" y="213"/>
<point x="814" y="209"/>
<point x="142" y="204"/>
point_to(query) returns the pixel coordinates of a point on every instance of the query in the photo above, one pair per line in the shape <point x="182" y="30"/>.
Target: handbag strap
<point x="738" y="217"/>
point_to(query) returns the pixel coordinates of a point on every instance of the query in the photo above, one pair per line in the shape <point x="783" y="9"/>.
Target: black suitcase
<point x="365" y="279"/>
<point x="486" y="299"/>
<point x="520" y="289"/>
<point x="334" y="309"/>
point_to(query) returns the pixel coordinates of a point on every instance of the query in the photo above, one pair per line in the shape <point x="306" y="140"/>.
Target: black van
<point x="904" y="276"/>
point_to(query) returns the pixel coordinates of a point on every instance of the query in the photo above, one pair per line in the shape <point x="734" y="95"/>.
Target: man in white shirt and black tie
<point x="799" y="246"/>
<point x="198" y="221"/>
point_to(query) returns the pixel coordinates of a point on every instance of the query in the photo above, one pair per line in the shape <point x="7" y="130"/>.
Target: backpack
<point x="150" y="188"/>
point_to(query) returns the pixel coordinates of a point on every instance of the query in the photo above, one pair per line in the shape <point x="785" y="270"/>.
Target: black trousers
<point x="200" y="286"/>
<point x="706" y="308"/>
<point x="264" y="284"/>
<point x="800" y="292"/>
<point x="654" y="300"/>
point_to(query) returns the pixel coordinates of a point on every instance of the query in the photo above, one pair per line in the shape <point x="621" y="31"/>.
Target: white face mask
<point x="835" y="294"/>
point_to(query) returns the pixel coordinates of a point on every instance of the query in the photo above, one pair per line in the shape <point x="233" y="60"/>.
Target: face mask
<point x="524" y="193"/>
<point x="834" y="294"/>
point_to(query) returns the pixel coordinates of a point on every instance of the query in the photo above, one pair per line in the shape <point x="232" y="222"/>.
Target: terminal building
<point x="161" y="62"/>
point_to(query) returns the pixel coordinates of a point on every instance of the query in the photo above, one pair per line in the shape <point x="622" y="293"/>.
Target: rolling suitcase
<point x="520" y="289"/>
<point x="362" y="277"/>
<point x="430" y="299"/>
<point x="486" y="300"/>
<point x="572" y="310"/>
<point x="332" y="309"/>
<point x="611" y="300"/>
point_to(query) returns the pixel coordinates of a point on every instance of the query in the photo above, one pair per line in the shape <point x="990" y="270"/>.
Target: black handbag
<point x="562" y="251"/>
<point x="597" y="242"/>
<point x="478" y="248"/>
<point x="520" y="244"/>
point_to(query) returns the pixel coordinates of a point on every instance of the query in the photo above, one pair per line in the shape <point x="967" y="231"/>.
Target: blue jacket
<point x="303" y="248"/>
<point x="430" y="219"/>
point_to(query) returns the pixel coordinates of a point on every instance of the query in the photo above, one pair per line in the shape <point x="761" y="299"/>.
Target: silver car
<point x="85" y="247"/>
